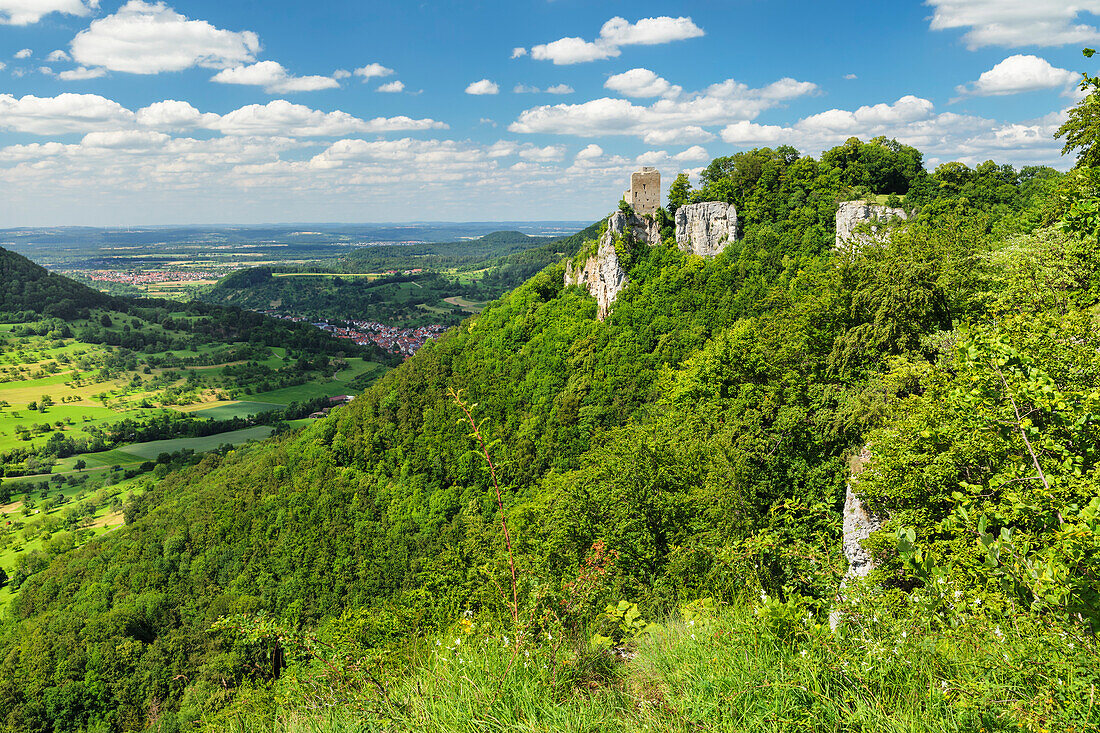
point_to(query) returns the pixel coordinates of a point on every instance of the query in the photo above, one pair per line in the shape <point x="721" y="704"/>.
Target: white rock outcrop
<point x="859" y="524"/>
<point x="602" y="273"/>
<point x="706" y="228"/>
<point x="851" y="214"/>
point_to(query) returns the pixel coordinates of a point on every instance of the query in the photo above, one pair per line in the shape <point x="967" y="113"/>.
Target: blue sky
<point x="187" y="112"/>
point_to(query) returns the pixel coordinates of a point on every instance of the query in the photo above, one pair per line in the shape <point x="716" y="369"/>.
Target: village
<point x="146" y="277"/>
<point x="394" y="339"/>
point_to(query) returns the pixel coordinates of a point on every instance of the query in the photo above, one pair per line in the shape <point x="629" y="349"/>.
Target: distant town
<point x="394" y="339"/>
<point x="146" y="277"/>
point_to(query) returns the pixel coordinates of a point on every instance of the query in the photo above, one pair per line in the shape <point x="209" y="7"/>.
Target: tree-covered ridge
<point x="25" y="286"/>
<point x="694" y="445"/>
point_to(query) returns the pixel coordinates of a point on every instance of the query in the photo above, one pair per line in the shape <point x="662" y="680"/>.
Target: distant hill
<point x="27" y="287"/>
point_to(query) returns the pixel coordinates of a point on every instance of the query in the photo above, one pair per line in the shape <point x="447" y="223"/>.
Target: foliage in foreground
<point x="769" y="668"/>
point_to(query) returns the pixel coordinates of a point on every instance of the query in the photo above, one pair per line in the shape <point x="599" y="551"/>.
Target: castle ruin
<point x="644" y="195"/>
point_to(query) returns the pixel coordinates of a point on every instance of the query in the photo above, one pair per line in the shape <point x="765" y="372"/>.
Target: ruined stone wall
<point x="645" y="191"/>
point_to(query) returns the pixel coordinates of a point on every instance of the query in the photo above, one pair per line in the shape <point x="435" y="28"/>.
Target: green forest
<point x="543" y="521"/>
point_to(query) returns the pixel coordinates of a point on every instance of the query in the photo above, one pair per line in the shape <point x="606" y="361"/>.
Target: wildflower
<point x="803" y="652"/>
<point x="903" y="634"/>
<point x="998" y="633"/>
<point x="693" y="637"/>
<point x="977" y="601"/>
<point x="763" y="596"/>
<point x="505" y="640"/>
<point x="458" y="642"/>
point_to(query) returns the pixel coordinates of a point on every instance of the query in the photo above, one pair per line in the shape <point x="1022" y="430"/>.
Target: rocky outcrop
<point x="851" y="214"/>
<point x="706" y="228"/>
<point x="602" y="273"/>
<point x="859" y="524"/>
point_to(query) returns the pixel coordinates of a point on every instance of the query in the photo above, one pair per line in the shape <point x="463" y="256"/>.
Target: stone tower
<point x="645" y="191"/>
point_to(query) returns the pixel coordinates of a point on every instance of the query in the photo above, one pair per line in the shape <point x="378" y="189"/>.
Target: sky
<point x="193" y="112"/>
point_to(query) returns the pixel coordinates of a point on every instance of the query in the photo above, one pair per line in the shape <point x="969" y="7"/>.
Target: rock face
<point x="859" y="524"/>
<point x="851" y="214"/>
<point x="706" y="228"/>
<point x="602" y="273"/>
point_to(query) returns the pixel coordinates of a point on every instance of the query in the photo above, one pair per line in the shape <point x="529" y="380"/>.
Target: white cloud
<point x="45" y="70"/>
<point x="83" y="113"/>
<point x="273" y="78"/>
<point x="62" y="114"/>
<point x="850" y="77"/>
<point x="125" y="139"/>
<point x="548" y="154"/>
<point x="341" y="74"/>
<point x="525" y="89"/>
<point x="589" y="152"/>
<point x="146" y="38"/>
<point x="392" y="87"/>
<point x="573" y="50"/>
<point x="1016" y="22"/>
<point x="25" y="12"/>
<point x="281" y="117"/>
<point x="174" y="115"/>
<point x="483" y="87"/>
<point x="3" y="66"/>
<point x="1019" y="73"/>
<point x="23" y="53"/>
<point x="913" y="121"/>
<point x="642" y="83"/>
<point x="519" y="51"/>
<point x="678" y="136"/>
<point x="694" y="154"/>
<point x="680" y="120"/>
<point x="614" y="34"/>
<point x="371" y="71"/>
<point x="560" y="89"/>
<point x="81" y="73"/>
<point x="649" y="31"/>
<point x="58" y="55"/>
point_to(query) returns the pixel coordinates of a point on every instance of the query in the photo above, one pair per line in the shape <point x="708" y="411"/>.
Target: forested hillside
<point x="685" y="461"/>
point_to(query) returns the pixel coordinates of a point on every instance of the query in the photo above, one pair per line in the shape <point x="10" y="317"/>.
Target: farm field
<point x="152" y="449"/>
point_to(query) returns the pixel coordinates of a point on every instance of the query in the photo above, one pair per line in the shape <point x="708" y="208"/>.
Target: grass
<point x="237" y="409"/>
<point x="725" y="672"/>
<point x="152" y="449"/>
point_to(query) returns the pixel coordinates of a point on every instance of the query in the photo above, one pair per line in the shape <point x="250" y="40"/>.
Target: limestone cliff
<point x="706" y="228"/>
<point x="602" y="273"/>
<point x="859" y="524"/>
<point x="851" y="214"/>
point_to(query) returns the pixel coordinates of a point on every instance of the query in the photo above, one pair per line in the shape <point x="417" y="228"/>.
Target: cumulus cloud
<point x="81" y="73"/>
<point x="370" y="71"/>
<point x="392" y="87"/>
<point x="341" y="74"/>
<point x="483" y="87"/>
<point x="678" y="120"/>
<point x="694" y="154"/>
<point x="1019" y="73"/>
<point x="548" y="154"/>
<point x="560" y="89"/>
<point x="83" y="113"/>
<point x="25" y="12"/>
<point x="589" y="152"/>
<point x="174" y="115"/>
<point x="281" y="117"/>
<point x="61" y="114"/>
<point x="150" y="38"/>
<point x="1014" y="23"/>
<point x="3" y="66"/>
<point x="525" y="89"/>
<point x="273" y="78"/>
<point x="614" y="34"/>
<point x="850" y="77"/>
<point x="642" y="83"/>
<point x="58" y="55"/>
<point x="23" y="53"/>
<point x="914" y="121"/>
<point x="519" y="51"/>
